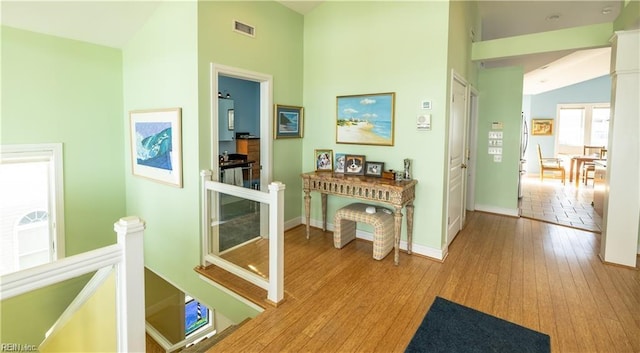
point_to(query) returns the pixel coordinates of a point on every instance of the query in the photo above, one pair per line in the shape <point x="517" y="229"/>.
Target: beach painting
<point x="365" y="119"/>
<point x="156" y="145"/>
<point x="288" y="121"/>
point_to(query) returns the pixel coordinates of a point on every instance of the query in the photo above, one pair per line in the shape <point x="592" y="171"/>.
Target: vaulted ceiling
<point x="112" y="23"/>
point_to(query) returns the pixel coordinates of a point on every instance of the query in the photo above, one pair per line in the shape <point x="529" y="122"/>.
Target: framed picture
<point x="324" y="160"/>
<point x="373" y="169"/>
<point x="354" y="164"/>
<point x="156" y="146"/>
<point x="365" y="119"/>
<point x="288" y="121"/>
<point x="542" y="127"/>
<point x="230" y="119"/>
<point x="338" y="166"/>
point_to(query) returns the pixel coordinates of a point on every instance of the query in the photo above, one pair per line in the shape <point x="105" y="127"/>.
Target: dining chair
<point x="550" y="164"/>
<point x="590" y="167"/>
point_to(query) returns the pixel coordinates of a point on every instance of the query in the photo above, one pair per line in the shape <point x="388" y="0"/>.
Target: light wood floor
<point x="539" y="275"/>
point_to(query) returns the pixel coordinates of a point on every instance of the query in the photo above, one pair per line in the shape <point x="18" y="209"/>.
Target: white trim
<point x="513" y="212"/>
<point x="30" y="279"/>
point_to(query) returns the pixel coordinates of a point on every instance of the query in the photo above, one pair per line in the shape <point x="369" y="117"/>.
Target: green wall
<point x="61" y="90"/>
<point x="375" y="47"/>
<point x="500" y="101"/>
<point x="161" y="71"/>
<point x="276" y="50"/>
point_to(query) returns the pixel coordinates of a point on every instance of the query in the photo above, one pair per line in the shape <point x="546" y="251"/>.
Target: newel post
<point x="130" y="285"/>
<point x="275" y="292"/>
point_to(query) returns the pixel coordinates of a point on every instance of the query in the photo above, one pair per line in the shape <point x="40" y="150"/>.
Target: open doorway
<point x="241" y="135"/>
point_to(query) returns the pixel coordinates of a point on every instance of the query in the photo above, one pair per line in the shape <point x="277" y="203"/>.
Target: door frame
<point x="472" y="151"/>
<point x="266" y="117"/>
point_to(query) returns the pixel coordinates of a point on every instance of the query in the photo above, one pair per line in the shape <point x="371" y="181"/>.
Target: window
<point x="581" y="124"/>
<point x="31" y="214"/>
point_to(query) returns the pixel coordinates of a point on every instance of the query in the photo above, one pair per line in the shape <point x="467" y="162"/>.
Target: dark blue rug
<point x="450" y="327"/>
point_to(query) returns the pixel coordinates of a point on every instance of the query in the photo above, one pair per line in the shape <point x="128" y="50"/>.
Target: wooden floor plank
<point x="539" y="275"/>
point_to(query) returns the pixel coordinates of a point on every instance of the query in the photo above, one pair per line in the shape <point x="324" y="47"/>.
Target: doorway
<point x="252" y="139"/>
<point x="457" y="157"/>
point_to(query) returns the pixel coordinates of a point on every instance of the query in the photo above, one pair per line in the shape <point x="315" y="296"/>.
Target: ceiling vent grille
<point x="244" y="28"/>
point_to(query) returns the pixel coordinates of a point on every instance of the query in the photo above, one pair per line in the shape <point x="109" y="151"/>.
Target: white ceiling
<point x="112" y="23"/>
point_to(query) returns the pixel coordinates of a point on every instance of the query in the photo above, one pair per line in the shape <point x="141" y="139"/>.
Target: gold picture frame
<point x="542" y="127"/>
<point x="365" y="119"/>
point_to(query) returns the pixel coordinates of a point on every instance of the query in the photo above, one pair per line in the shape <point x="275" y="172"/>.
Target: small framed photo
<point x="541" y="127"/>
<point x="156" y="145"/>
<point x="354" y="164"/>
<point x="324" y="160"/>
<point x="338" y="166"/>
<point x="288" y="121"/>
<point x="373" y="169"/>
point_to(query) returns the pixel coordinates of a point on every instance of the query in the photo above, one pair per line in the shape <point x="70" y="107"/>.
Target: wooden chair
<point x="590" y="167"/>
<point x="550" y="165"/>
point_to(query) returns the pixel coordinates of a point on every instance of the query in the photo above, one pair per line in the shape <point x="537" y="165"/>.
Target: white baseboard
<point x="437" y="254"/>
<point x="513" y="212"/>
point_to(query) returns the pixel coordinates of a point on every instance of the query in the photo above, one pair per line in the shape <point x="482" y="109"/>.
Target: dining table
<point x="576" y="164"/>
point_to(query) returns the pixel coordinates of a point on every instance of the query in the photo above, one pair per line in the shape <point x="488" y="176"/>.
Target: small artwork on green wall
<point x="365" y="119"/>
<point x="156" y="145"/>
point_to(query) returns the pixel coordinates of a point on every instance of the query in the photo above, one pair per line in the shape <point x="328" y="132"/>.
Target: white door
<point x="457" y="158"/>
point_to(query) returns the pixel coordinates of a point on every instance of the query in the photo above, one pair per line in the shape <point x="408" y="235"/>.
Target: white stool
<point x="345" y="221"/>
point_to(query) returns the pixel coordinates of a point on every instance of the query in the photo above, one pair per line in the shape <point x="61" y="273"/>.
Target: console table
<point x="397" y="194"/>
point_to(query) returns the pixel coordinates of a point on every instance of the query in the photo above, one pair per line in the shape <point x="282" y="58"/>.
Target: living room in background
<point x="31" y="212"/>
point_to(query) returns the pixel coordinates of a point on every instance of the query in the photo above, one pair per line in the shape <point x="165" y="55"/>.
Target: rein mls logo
<point x="17" y="347"/>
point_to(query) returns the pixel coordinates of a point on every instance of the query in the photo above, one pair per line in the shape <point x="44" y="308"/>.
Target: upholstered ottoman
<point x="382" y="221"/>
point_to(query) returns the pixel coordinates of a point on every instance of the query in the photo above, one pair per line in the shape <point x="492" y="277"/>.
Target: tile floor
<point x="550" y="201"/>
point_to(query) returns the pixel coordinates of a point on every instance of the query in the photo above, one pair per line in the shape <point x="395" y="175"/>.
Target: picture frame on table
<point x="156" y="145"/>
<point x="366" y="119"/>
<point x="542" y="127"/>
<point x="289" y="121"/>
<point x="373" y="169"/>
<point x="338" y="166"/>
<point x="354" y="164"/>
<point x="323" y="160"/>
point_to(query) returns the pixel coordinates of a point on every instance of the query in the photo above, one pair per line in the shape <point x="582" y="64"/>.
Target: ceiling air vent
<point x="244" y="28"/>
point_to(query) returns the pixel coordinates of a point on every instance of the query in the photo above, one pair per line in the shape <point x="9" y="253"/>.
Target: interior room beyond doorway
<point x="550" y="201"/>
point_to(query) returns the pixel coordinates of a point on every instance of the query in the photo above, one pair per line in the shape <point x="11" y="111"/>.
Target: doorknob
<point x="463" y="166"/>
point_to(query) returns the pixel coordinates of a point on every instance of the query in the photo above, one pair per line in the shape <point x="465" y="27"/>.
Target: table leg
<point x="323" y="197"/>
<point x="573" y="161"/>
<point x="397" y="227"/>
<point x="307" y="209"/>
<point x="578" y="166"/>
<point x="409" y="227"/>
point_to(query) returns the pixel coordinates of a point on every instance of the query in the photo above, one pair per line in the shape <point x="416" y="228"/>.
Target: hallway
<point x="567" y="205"/>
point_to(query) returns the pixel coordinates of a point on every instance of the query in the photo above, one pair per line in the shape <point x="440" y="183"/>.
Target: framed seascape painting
<point x="366" y="119"/>
<point x="156" y="146"/>
<point x="324" y="160"/>
<point x="289" y="121"/>
<point x="541" y="127"/>
<point x="354" y="164"/>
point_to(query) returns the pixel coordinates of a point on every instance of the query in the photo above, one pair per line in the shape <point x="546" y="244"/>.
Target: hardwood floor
<point x="539" y="275"/>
